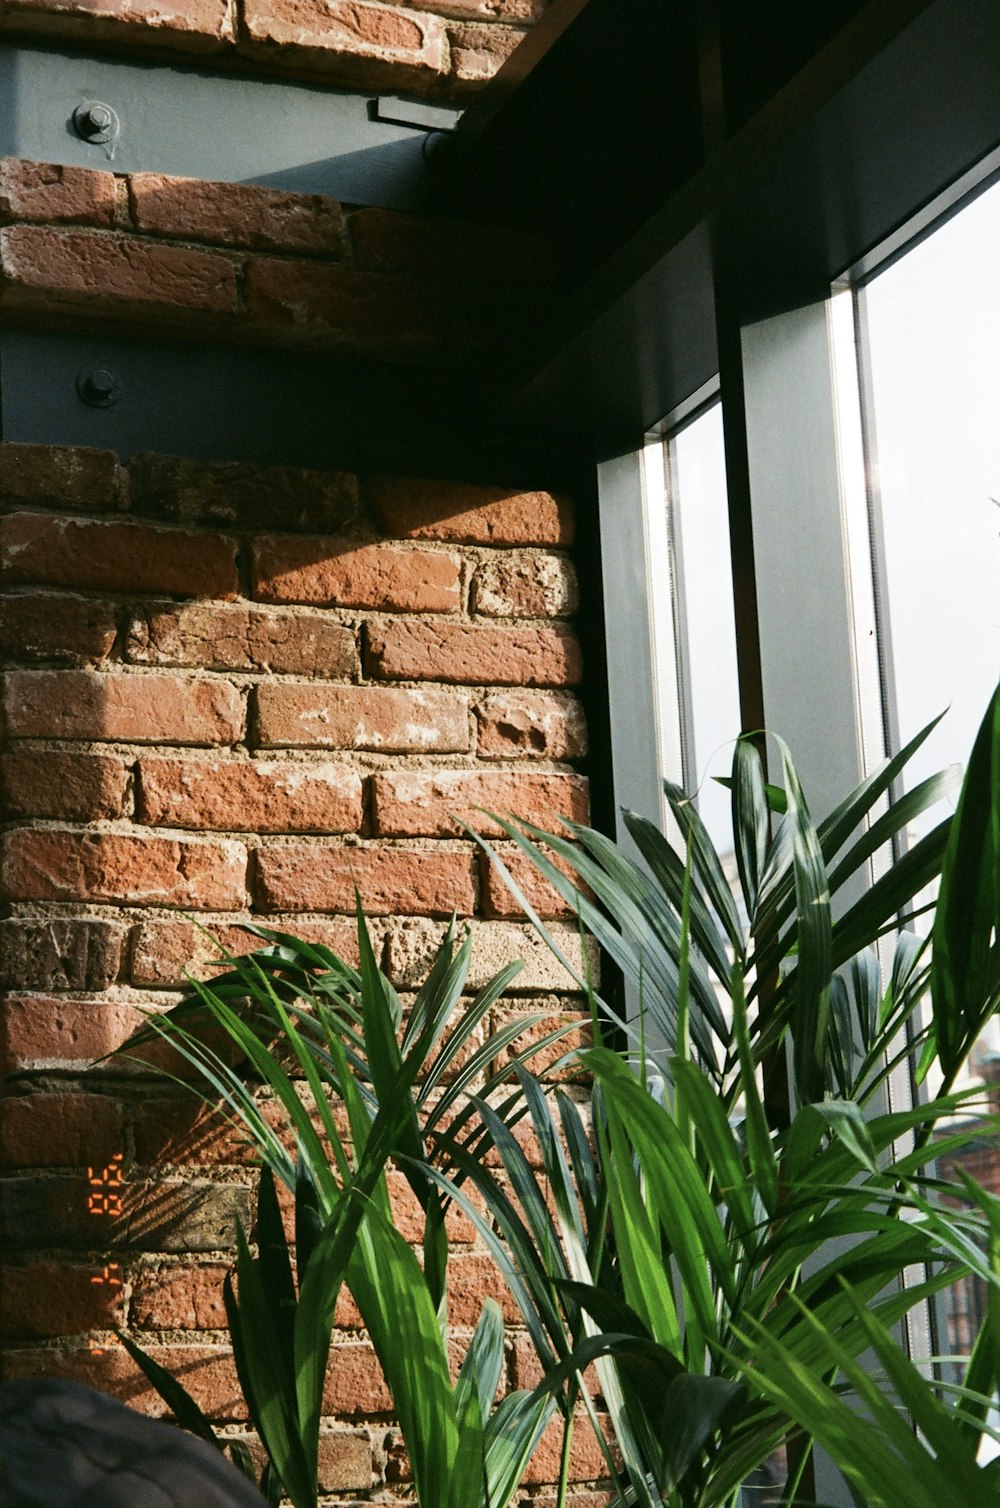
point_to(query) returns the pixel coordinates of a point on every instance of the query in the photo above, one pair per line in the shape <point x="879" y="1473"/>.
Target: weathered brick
<point x="286" y="796"/>
<point x="47" y="627"/>
<point x="435" y="803"/>
<point x="235" y="214"/>
<point x="179" y="1297"/>
<point x="165" y="952"/>
<point x="60" y="955"/>
<point x="523" y="11"/>
<point x="119" y="868"/>
<point x="59" y="195"/>
<point x="195" y="25"/>
<point x="103" y="273"/>
<point x="586" y="1458"/>
<point x="44" y="1298"/>
<point x="50" y="1130"/>
<point x="361" y="717"/>
<point x="41" y="1031"/>
<point x="345" y="1461"/>
<point x="59" y="476"/>
<point x="351" y="41"/>
<point x="69" y="786"/>
<point x="118" y="556"/>
<point x="169" y="1215"/>
<point x="474" y="1277"/>
<point x="206" y="1372"/>
<point x="340" y="307"/>
<point x="354" y="1382"/>
<point x="212" y="636"/>
<point x="466" y="653"/>
<point x="462" y="513"/>
<point x="525" y="586"/>
<point x="131" y="708"/>
<point x="240" y="494"/>
<point x="413" y="943"/>
<point x="477" y="52"/>
<point x="336" y="573"/>
<point x="577" y="1035"/>
<point x="531" y="725"/>
<point x="308" y="877"/>
<point x="499" y="902"/>
<point x="180" y="1131"/>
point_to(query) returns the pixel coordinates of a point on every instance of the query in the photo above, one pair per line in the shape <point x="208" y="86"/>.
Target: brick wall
<point x="232" y="693"/>
<point x="441" y="49"/>
<point x="236" y="263"/>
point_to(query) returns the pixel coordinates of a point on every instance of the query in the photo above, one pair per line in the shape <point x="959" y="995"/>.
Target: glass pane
<point x="933" y="330"/>
<point x="707" y="633"/>
<point x="932" y="324"/>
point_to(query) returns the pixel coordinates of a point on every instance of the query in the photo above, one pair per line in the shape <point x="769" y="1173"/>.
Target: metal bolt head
<point x="99" y="387"/>
<point x="96" y="122"/>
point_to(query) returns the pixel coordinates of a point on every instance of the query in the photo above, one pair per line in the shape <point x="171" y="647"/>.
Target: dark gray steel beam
<point x="216" y="126"/>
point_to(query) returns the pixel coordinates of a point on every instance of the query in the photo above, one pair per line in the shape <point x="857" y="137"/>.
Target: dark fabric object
<point x="63" y="1445"/>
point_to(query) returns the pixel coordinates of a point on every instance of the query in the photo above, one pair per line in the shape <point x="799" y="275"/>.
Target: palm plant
<point x="301" y="1019"/>
<point x="712" y="1223"/>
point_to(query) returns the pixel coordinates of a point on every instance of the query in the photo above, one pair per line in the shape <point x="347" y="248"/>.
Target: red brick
<point x="466" y="653"/>
<point x="195" y="25"/>
<point x="179" y="1297"/>
<point x="477" y="52"/>
<point x="524" y="11"/>
<point x="131" y="708"/>
<point x="525" y="586"/>
<point x="351" y="41"/>
<point x="424" y="803"/>
<point x="40" y="1031"/>
<point x="499" y="902"/>
<point x="466" y="514"/>
<point x="164" y="952"/>
<point x="384" y="718"/>
<point x="307" y="877"/>
<point x="43" y="1299"/>
<point x="232" y="637"/>
<point x="287" y="796"/>
<point x="472" y="1279"/>
<point x="188" y="1131"/>
<point x="122" y="557"/>
<point x="532" y="726"/>
<point x="206" y="1372"/>
<point x="586" y="1458"/>
<point x="249" y="795"/>
<point x="345" y="1461"/>
<point x="59" y="195"/>
<point x="166" y="1215"/>
<point x="238" y="494"/>
<point x="336" y="573"/>
<point x="338" y="307"/>
<point x="235" y="214"/>
<point x="100" y="274"/>
<point x="412" y="944"/>
<point x="73" y="787"/>
<point x="117" y="868"/>
<point x="541" y="1062"/>
<point x="52" y="1130"/>
<point x="54" y="954"/>
<point x="354" y="1382"/>
<point x="56" y="628"/>
<point x="59" y="476"/>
